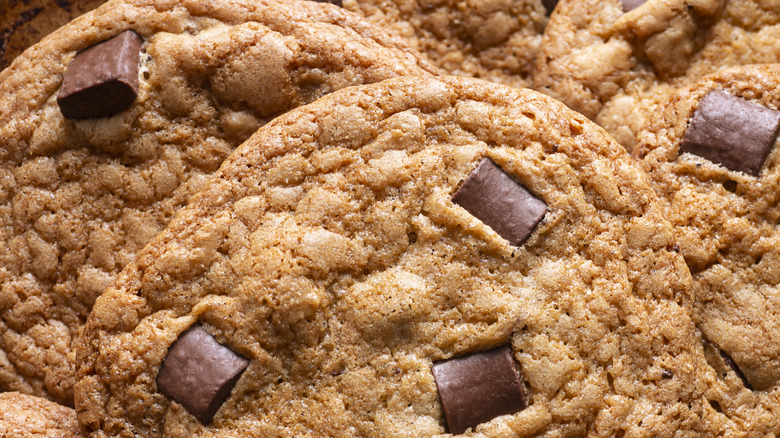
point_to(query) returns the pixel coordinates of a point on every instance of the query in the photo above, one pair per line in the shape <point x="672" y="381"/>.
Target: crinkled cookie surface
<point x="726" y="222"/>
<point x="27" y="416"/>
<point x="617" y="67"/>
<point x="495" y="40"/>
<point x="329" y="254"/>
<point x="78" y="198"/>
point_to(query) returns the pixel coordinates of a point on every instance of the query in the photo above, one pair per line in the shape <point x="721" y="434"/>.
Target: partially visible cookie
<point x="86" y="178"/>
<point x="27" y="416"/>
<point x="408" y="258"/>
<point x="616" y="61"/>
<point x="713" y="154"/>
<point x="24" y="22"/>
<point x="495" y="40"/>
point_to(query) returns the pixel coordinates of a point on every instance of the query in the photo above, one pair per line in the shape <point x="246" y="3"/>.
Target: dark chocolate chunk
<point x="478" y="387"/>
<point x="334" y="2"/>
<point x="102" y="80"/>
<point x="732" y="132"/>
<point x="733" y="365"/>
<point x="549" y="5"/>
<point x="499" y="201"/>
<point x="199" y="373"/>
<point x="632" y="4"/>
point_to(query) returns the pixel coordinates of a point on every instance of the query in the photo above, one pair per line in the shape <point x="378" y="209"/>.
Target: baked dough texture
<point x="495" y="40"/>
<point x="78" y="198"/>
<point x="726" y="223"/>
<point x="328" y="251"/>
<point x="617" y="68"/>
<point x="27" y="416"/>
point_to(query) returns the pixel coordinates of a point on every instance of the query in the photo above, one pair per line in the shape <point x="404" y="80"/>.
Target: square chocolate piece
<point x="500" y="202"/>
<point x="478" y="387"/>
<point x="102" y="80"/>
<point x="732" y="132"/>
<point x="199" y="373"/>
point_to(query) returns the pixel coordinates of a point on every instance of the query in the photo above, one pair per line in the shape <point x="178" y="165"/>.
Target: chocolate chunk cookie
<point x="495" y="39"/>
<point x="109" y="125"/>
<point x="27" y="416"/>
<point x="617" y="61"/>
<point x="408" y="258"/>
<point x="713" y="155"/>
<point x="25" y="22"/>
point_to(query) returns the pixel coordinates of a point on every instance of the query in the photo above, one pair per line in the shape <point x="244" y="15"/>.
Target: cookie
<point x="87" y="177"/>
<point x="26" y="416"/>
<point x="352" y="268"/>
<point x="617" y="61"/>
<point x="493" y="40"/>
<point x="712" y="153"/>
<point x="25" y="22"/>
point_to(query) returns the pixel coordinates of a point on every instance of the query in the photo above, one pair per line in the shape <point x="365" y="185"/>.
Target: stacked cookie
<point x="618" y="61"/>
<point x="711" y="155"/>
<point x="277" y="218"/>
<point x="384" y="261"/>
<point x="102" y="151"/>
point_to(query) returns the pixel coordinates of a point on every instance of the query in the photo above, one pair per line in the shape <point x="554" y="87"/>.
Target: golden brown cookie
<point x="27" y="416"/>
<point x="495" y="40"/>
<point x="24" y="22"/>
<point x="82" y="191"/>
<point x="408" y="258"/>
<point x="616" y="61"/>
<point x="713" y="154"/>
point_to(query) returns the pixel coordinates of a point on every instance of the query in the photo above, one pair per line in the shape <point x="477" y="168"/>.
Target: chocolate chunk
<point x="199" y="373"/>
<point x="478" y="387"/>
<point x="549" y="5"/>
<point x="334" y="2"/>
<point x="732" y="132"/>
<point x="632" y="4"/>
<point x="102" y="80"/>
<point x="499" y="201"/>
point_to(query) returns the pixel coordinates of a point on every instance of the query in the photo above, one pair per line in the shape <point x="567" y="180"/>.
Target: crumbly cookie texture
<point x="617" y="67"/>
<point x="495" y="40"/>
<point x="27" y="416"/>
<point x="726" y="222"/>
<point x="25" y="22"/>
<point x="78" y="198"/>
<point x="330" y="253"/>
